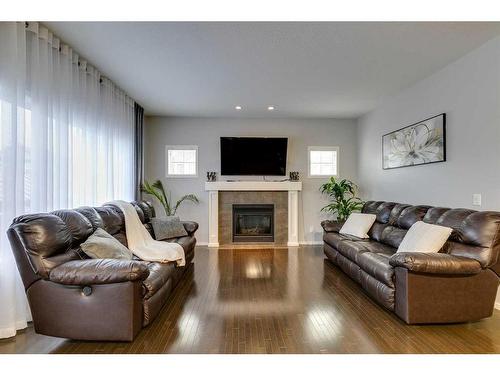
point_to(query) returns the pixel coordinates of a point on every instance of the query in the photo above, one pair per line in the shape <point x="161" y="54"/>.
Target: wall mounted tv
<point x="251" y="156"/>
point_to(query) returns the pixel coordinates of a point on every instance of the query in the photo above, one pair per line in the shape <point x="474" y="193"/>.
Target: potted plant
<point x="157" y="190"/>
<point x="342" y="193"/>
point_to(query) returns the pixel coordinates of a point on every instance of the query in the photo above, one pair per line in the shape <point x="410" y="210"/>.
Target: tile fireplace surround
<point x="261" y="192"/>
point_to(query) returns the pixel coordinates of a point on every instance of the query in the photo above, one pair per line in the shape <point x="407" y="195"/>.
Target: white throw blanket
<point x="142" y="244"/>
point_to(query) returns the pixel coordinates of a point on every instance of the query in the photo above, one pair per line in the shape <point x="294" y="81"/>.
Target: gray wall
<point x="205" y="132"/>
<point x="468" y="91"/>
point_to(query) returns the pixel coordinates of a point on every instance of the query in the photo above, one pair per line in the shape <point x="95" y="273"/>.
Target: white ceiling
<point x="329" y="69"/>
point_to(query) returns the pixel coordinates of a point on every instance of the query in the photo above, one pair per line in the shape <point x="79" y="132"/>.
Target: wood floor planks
<point x="275" y="301"/>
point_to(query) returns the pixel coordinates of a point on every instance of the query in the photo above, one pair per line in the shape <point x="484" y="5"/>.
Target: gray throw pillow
<point x="102" y="245"/>
<point x="168" y="227"/>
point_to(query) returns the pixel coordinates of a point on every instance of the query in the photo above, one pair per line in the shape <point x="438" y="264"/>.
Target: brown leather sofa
<point x="73" y="296"/>
<point x="458" y="284"/>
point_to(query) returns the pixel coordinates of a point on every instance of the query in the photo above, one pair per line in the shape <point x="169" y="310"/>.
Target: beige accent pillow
<point x="102" y="245"/>
<point x="358" y="225"/>
<point x="424" y="238"/>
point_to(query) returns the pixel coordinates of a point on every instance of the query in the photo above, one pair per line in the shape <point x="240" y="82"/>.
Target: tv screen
<point x="246" y="156"/>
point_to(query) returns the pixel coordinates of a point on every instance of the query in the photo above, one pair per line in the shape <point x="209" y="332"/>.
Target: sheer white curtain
<point x="66" y="139"/>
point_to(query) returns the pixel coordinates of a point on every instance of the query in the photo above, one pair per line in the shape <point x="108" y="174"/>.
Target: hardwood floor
<point x="275" y="301"/>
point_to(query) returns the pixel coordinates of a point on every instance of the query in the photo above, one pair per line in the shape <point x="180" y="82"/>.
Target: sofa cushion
<point x="333" y="239"/>
<point x="370" y="207"/>
<point x="351" y="249"/>
<point x="358" y="225"/>
<point x="392" y="236"/>
<point x="168" y="227"/>
<point x="377" y="265"/>
<point x="424" y="238"/>
<point x="481" y="229"/>
<point x="375" y="232"/>
<point x="102" y="245"/>
<point x="396" y="212"/>
<point x="112" y="218"/>
<point x="384" y="212"/>
<point x="433" y="214"/>
<point x="411" y="215"/>
<point x="454" y="219"/>
<point x="92" y="216"/>
<point x="159" y="274"/>
<point x="379" y="248"/>
<point x="42" y="236"/>
<point x="79" y="226"/>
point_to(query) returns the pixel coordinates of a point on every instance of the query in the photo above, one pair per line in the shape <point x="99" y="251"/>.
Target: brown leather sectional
<point x="458" y="284"/>
<point x="73" y="296"/>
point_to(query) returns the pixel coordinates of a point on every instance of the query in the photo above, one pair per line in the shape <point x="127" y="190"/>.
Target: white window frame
<point x="322" y="148"/>
<point x="181" y="147"/>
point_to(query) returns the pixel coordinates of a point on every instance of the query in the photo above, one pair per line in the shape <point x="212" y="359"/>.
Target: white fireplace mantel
<point x="213" y="189"/>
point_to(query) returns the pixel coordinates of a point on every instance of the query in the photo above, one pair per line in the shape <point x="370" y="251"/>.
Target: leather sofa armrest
<point x="99" y="271"/>
<point x="331" y="225"/>
<point x="435" y="263"/>
<point x="190" y="227"/>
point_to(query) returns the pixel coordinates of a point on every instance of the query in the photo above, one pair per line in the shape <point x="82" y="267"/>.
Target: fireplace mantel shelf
<point x="253" y="186"/>
<point x="292" y="187"/>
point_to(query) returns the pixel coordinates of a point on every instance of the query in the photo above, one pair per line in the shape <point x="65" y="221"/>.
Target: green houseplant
<point x="157" y="190"/>
<point x="342" y="194"/>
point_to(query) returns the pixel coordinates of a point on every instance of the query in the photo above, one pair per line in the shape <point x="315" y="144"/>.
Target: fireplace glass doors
<point x="253" y="223"/>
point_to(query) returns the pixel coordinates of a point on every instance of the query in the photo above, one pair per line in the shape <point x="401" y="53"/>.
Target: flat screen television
<point x="252" y="156"/>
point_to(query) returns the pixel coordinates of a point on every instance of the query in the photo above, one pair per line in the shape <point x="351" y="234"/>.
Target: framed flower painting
<point x="420" y="143"/>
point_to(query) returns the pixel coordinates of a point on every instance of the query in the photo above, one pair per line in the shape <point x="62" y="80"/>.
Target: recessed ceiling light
<point x="270" y="108"/>
<point x="238" y="107"/>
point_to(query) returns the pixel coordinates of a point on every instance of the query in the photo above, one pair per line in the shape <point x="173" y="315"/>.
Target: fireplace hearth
<point x="253" y="223"/>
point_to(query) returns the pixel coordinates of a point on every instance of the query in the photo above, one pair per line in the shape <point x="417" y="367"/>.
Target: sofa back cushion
<point x="92" y="216"/>
<point x="370" y="207"/>
<point x="383" y="212"/>
<point x="410" y="215"/>
<point x="112" y="218"/>
<point x="392" y="236"/>
<point x="475" y="234"/>
<point x="44" y="241"/>
<point x="43" y="236"/>
<point x="79" y="226"/>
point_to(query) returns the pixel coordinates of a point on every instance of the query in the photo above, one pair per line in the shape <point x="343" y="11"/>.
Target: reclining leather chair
<point x="458" y="284"/>
<point x="73" y="296"/>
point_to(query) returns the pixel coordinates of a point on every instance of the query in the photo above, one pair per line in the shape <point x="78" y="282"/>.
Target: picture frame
<point x="421" y="143"/>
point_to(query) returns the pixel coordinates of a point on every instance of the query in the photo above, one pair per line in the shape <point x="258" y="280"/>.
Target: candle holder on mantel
<point x="211" y="176"/>
<point x="294" y="176"/>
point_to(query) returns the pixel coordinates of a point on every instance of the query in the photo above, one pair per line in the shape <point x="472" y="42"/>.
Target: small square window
<point x="181" y="161"/>
<point x="323" y="161"/>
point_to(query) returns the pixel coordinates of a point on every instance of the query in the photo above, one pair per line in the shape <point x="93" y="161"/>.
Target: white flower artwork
<point x="420" y="143"/>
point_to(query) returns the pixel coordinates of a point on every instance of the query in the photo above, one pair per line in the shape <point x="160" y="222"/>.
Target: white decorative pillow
<point x="358" y="225"/>
<point x="424" y="238"/>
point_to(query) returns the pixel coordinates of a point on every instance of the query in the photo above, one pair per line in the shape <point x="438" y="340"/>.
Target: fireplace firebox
<point x="253" y="223"/>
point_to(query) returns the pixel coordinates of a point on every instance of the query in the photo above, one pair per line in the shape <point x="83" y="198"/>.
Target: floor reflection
<point x="241" y="272"/>
<point x="276" y="301"/>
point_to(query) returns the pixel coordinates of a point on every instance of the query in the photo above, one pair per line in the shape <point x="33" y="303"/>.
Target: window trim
<point x="322" y="148"/>
<point x="181" y="147"/>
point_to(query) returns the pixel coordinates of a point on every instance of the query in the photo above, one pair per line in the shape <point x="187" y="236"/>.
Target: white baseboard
<point x="497" y="305"/>
<point x="311" y="243"/>
<point x="307" y="243"/>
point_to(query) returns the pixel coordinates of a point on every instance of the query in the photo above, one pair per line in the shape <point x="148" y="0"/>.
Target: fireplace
<point x="253" y="222"/>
